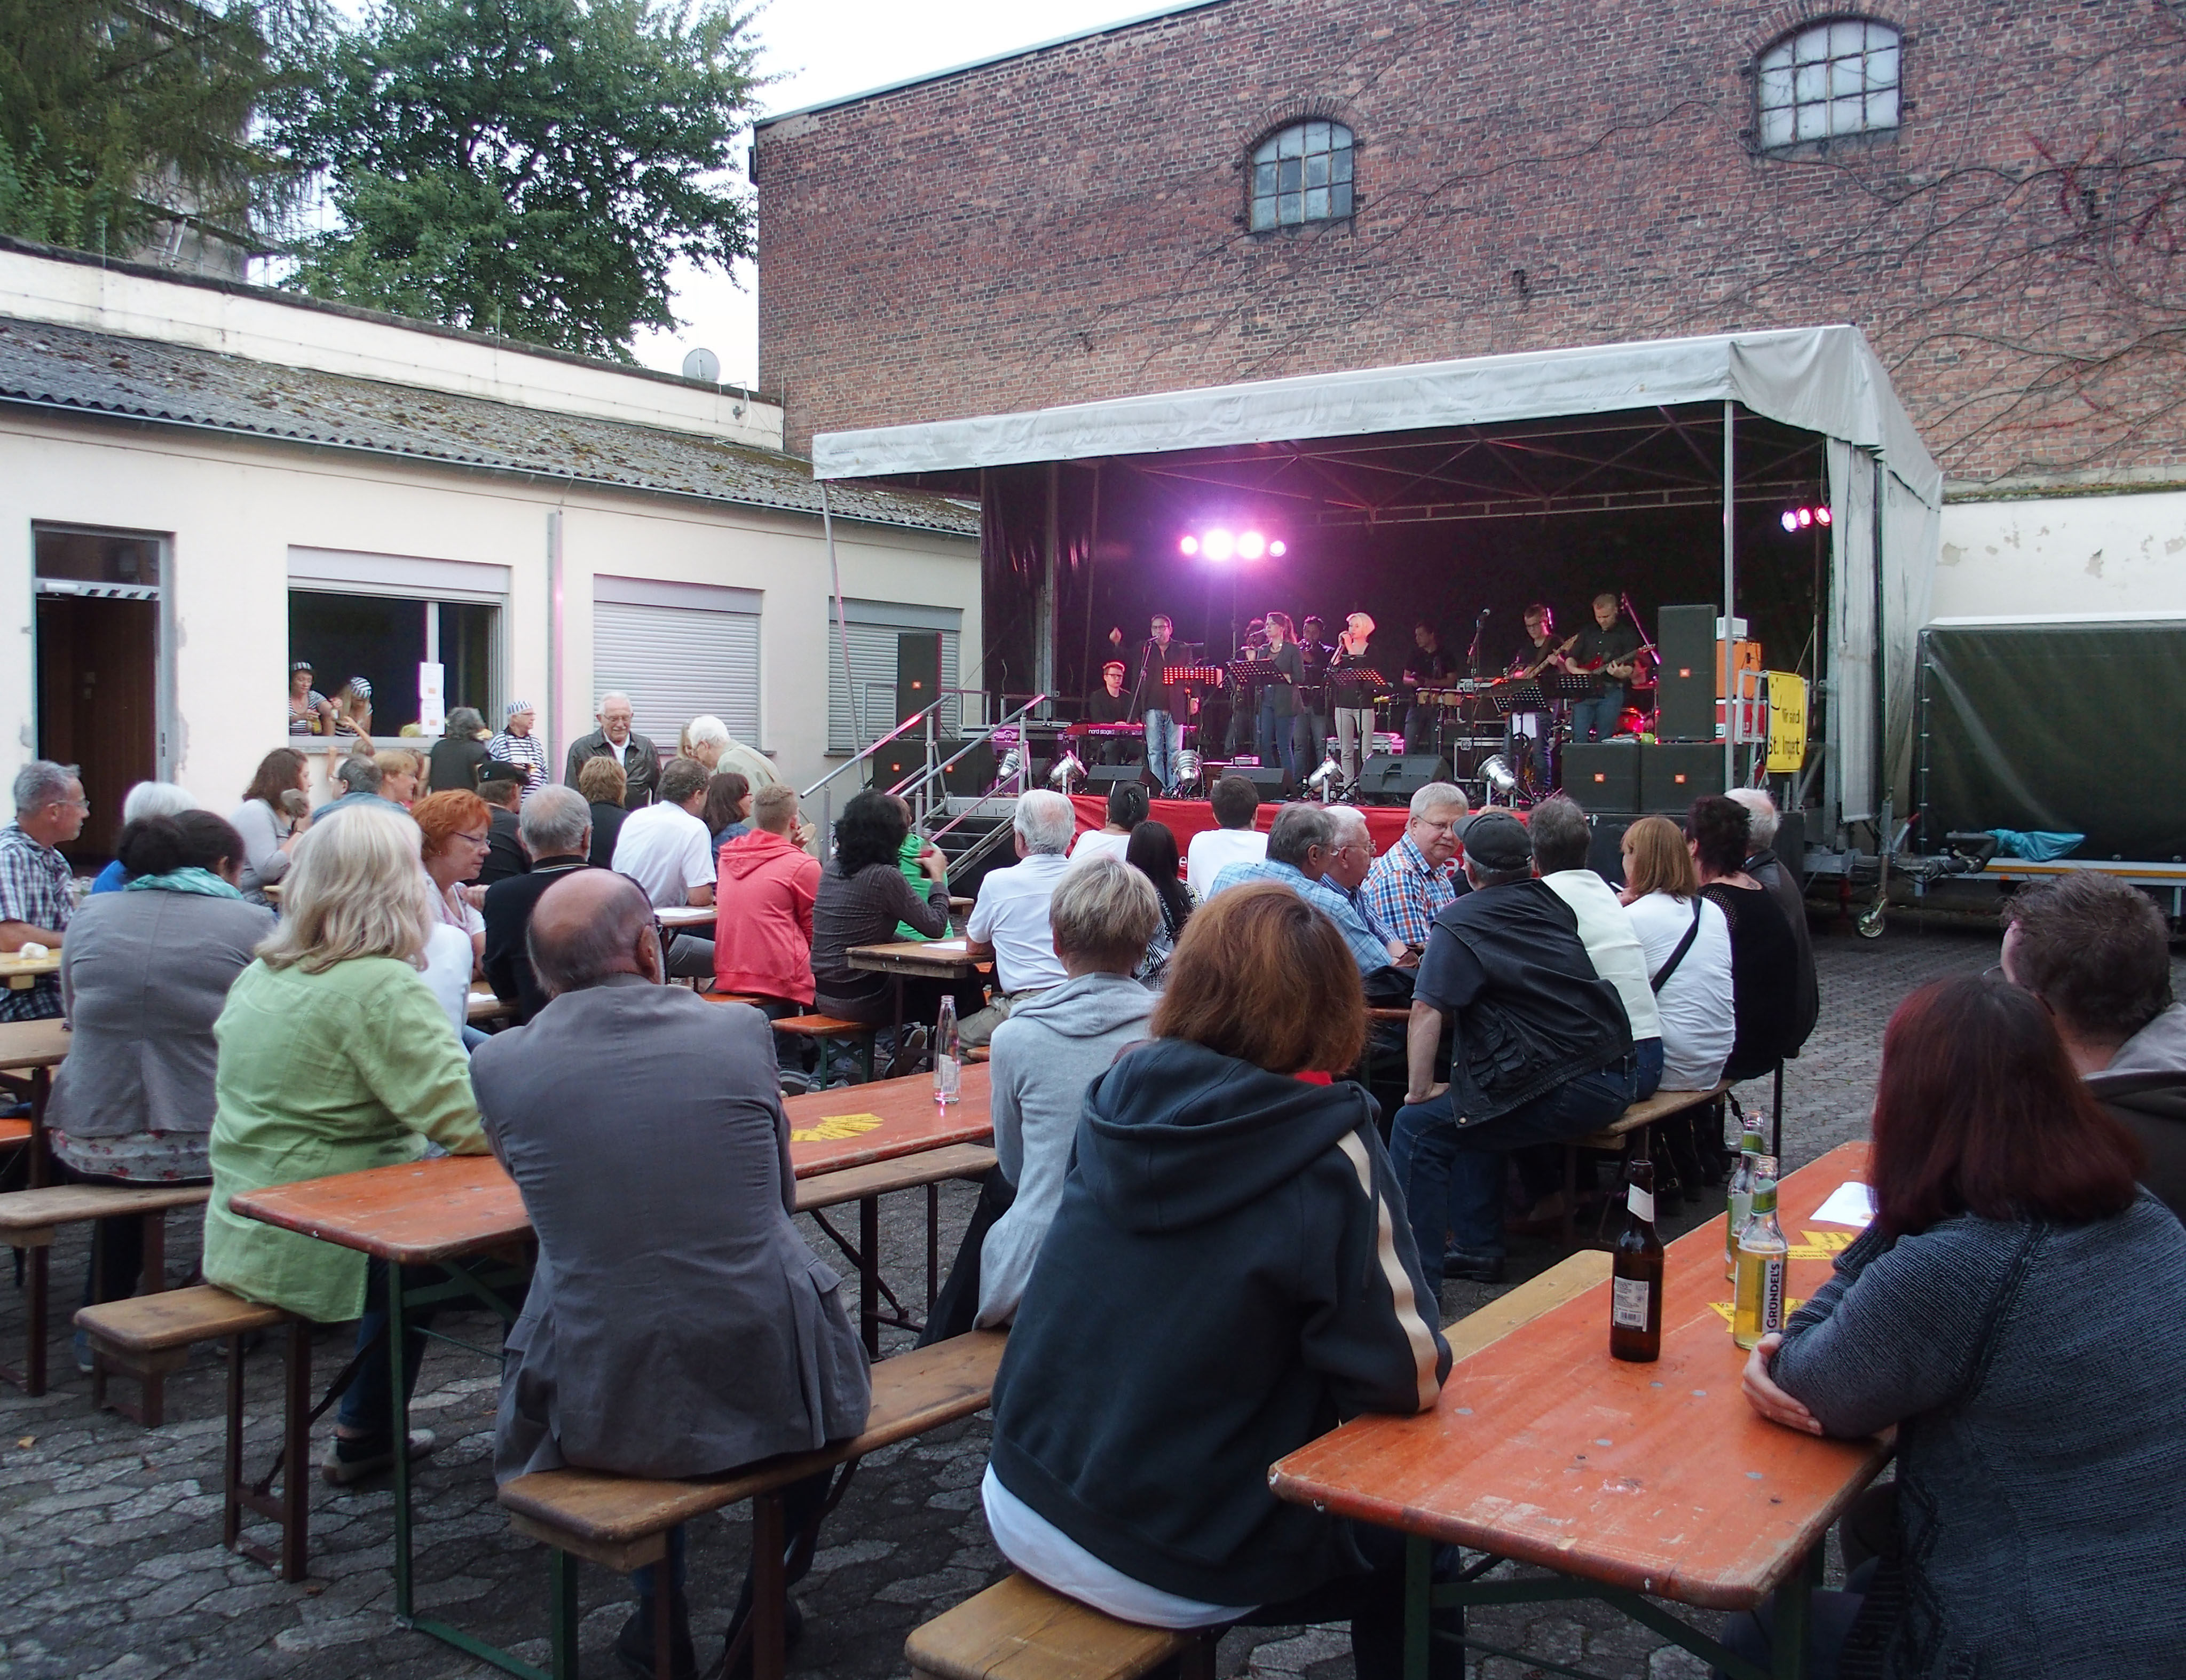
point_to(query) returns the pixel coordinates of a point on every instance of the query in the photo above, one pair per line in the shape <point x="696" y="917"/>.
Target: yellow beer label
<point x="834" y="1128"/>
<point x="1791" y="1304"/>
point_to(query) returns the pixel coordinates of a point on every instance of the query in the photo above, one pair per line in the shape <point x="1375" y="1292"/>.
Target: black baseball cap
<point x="1497" y="842"/>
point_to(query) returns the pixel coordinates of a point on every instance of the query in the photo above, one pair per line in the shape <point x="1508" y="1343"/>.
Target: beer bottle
<point x="1636" y="1274"/>
<point x="1758" y="1298"/>
<point x="1738" y="1201"/>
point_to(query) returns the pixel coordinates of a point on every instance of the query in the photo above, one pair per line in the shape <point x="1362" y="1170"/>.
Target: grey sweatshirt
<point x="1045" y="1056"/>
<point x="2145" y="1086"/>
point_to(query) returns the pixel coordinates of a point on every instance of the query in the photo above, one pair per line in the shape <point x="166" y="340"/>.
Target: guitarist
<point x="1612" y="647"/>
<point x="1539" y="654"/>
<point x="1427" y="668"/>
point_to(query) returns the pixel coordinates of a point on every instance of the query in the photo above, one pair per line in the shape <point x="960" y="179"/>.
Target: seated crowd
<point x="1178" y="1045"/>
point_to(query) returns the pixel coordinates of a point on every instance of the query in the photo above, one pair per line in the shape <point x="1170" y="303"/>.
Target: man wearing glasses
<point x="1412" y="882"/>
<point x="35" y="895"/>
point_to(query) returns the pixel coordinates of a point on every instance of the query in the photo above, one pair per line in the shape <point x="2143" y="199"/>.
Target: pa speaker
<point x="973" y="774"/>
<point x="1603" y="775"/>
<point x="1099" y="778"/>
<point x="1605" y="852"/>
<point x="1387" y="778"/>
<point x="895" y="764"/>
<point x="1685" y="687"/>
<point x="917" y="672"/>
<point x="1672" y="777"/>
<point x="1272" y="780"/>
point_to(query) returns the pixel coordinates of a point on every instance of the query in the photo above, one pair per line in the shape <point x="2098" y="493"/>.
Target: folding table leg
<point x="1419" y="1586"/>
<point x="1787" y="1655"/>
<point x="869" y="1272"/>
<point x="31" y="1379"/>
<point x="932" y="1245"/>
<point x="296" y="1452"/>
<point x="561" y="1612"/>
<point x="769" y="1589"/>
<point x="231" y="1471"/>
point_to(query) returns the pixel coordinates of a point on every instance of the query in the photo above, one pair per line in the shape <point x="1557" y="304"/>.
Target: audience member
<point x="556" y="833"/>
<point x="1009" y="921"/>
<point x="352" y="717"/>
<point x="309" y="712"/>
<point x="143" y="976"/>
<point x="501" y="787"/>
<point x="1410" y="884"/>
<point x="516" y="745"/>
<point x="1561" y="839"/>
<point x="1219" y="1285"/>
<point x="1152" y="853"/>
<point x="1300" y="842"/>
<point x="1782" y="880"/>
<point x="664" y="848"/>
<point x="1764" y="958"/>
<point x="606" y="790"/>
<point x="860" y="898"/>
<point x="333" y="1057"/>
<point x="144" y="800"/>
<point x="1350" y="861"/>
<point x="454" y="761"/>
<point x="358" y="777"/>
<point x="455" y="830"/>
<point x="728" y="807"/>
<point x="2016" y="1312"/>
<point x="677" y="1323"/>
<point x="910" y="858"/>
<point x="621" y="746"/>
<point x="400" y="771"/>
<point x="37" y="894"/>
<point x="763" y="903"/>
<point x="1127" y="809"/>
<point x="1687" y="944"/>
<point x="2096" y="951"/>
<point x="270" y="828"/>
<point x="707" y="739"/>
<point x="1234" y="839"/>
<point x="1540" y="1051"/>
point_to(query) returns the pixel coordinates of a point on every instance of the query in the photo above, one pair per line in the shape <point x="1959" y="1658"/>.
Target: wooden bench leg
<point x="562" y="1601"/>
<point x="933" y="1246"/>
<point x="869" y="1274"/>
<point x="293" y="1508"/>
<point x="231" y="1477"/>
<point x="31" y="1379"/>
<point x="768" y="1590"/>
<point x="153" y="1410"/>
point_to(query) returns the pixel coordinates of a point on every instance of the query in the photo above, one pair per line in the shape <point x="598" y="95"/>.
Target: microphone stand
<point x="1648" y="648"/>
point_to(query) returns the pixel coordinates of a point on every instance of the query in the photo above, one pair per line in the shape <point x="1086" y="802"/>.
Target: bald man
<point x="677" y="1324"/>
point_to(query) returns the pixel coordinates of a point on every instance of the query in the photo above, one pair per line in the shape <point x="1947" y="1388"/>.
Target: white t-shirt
<point x="1094" y="843"/>
<point x="1214" y="850"/>
<point x="666" y="850"/>
<point x="1699" y="1022"/>
<point x="1604" y="928"/>
<point x="1011" y="916"/>
<point x="1043" y="1551"/>
<point x="448" y="959"/>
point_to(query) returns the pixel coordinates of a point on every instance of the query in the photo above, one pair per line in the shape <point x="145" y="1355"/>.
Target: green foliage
<point x="529" y="167"/>
<point x="114" y="110"/>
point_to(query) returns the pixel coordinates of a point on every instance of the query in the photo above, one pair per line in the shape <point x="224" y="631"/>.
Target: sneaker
<point x="1472" y="1267"/>
<point x="354" y="1459"/>
<point x="80" y="1345"/>
<point x="633" y="1646"/>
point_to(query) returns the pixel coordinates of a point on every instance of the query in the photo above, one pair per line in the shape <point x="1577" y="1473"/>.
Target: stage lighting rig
<point x="1222" y="544"/>
<point x="1798" y="520"/>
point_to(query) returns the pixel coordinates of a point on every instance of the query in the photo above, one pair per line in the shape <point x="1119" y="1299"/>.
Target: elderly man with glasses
<point x="37" y="897"/>
<point x="1415" y="879"/>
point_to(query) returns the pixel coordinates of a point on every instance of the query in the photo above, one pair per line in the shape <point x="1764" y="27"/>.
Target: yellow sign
<point x="834" y="1128"/>
<point x="1787" y="723"/>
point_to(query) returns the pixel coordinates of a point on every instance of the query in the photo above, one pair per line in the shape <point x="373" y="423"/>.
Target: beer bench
<point x="623" y="1522"/>
<point x="824" y="1030"/>
<point x="1627" y="1134"/>
<point x="32" y="1219"/>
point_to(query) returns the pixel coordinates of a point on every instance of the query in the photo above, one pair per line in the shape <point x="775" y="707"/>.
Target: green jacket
<point x="319" y="1074"/>
<point x="906" y="859"/>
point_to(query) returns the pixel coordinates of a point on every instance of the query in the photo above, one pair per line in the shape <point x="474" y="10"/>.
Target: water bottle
<point x="946" y="1048"/>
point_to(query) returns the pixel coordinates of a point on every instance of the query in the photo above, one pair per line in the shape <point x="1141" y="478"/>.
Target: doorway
<point x="99" y="641"/>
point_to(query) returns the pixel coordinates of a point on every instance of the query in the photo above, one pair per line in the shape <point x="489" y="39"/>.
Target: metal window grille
<point x="1301" y="174"/>
<point x="1830" y="80"/>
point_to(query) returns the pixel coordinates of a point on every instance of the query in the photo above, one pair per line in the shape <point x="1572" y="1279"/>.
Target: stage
<point x="1187" y="817"/>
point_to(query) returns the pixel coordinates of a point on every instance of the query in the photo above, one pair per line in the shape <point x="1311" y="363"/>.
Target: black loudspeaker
<point x="973" y="774"/>
<point x="1686" y="688"/>
<point x="1273" y="780"/>
<point x="1099" y="778"/>
<point x="1603" y="775"/>
<point x="917" y="672"/>
<point x="1387" y="779"/>
<point x="1604" y="854"/>
<point x="1672" y="777"/>
<point x="896" y="762"/>
<point x="1790" y="845"/>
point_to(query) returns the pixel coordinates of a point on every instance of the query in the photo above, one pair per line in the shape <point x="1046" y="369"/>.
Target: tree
<point x="529" y="167"/>
<point x="116" y="115"/>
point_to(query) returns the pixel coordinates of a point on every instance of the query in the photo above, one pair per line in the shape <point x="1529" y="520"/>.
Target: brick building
<point x="1998" y="208"/>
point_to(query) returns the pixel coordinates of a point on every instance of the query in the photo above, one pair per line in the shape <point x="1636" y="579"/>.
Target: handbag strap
<point x="1661" y="977"/>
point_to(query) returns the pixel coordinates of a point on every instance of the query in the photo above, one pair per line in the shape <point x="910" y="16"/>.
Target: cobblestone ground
<point x="110" y="1563"/>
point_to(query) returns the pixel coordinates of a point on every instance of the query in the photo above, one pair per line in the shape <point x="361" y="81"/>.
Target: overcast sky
<point x="822" y="49"/>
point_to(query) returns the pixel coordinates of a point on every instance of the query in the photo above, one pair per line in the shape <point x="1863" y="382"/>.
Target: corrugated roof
<point x="67" y="367"/>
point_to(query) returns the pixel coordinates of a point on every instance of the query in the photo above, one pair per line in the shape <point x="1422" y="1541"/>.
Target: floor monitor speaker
<point x="1099" y="778"/>
<point x="1671" y="776"/>
<point x="1686" y="688"/>
<point x="1273" y="780"/>
<point x="1392" y="778"/>
<point x="1603" y="775"/>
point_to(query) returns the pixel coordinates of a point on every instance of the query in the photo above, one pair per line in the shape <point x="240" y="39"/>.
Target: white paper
<point x="1849" y="1204"/>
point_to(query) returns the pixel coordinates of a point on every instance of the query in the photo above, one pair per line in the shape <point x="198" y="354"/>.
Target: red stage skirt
<point x="1187" y="817"/>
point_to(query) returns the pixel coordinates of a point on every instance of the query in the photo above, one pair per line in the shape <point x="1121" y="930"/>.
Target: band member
<point x="1612" y="646"/>
<point x="1163" y="709"/>
<point x="1354" y="706"/>
<point x="1427" y="668"/>
<point x="1310" y="730"/>
<point x="1278" y="705"/>
<point x="1539" y="654"/>
<point x="1241" y="705"/>
<point x="1108" y="704"/>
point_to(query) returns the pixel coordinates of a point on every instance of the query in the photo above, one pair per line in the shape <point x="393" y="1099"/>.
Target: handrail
<point x="918" y="783"/>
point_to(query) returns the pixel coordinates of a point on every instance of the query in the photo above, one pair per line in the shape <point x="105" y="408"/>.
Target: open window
<point x="387" y="618"/>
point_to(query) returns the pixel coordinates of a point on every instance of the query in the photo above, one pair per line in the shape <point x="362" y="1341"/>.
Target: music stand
<point x="1518" y="695"/>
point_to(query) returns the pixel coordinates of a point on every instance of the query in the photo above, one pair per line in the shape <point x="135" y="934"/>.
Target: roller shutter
<point x="676" y="662"/>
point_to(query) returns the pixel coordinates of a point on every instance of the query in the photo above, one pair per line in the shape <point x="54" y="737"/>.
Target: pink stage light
<point x="1278" y="549"/>
<point x="1821" y="516"/>
<point x="1805" y="518"/>
<point x="1218" y="545"/>
<point x="1251" y="545"/>
<point x="1188" y="547"/>
<point x="1791" y="523"/>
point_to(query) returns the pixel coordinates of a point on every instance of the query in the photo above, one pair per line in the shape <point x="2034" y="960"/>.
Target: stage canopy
<point x="1885" y="489"/>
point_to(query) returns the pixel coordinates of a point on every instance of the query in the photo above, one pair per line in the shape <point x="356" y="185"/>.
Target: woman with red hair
<point x="2017" y="1312"/>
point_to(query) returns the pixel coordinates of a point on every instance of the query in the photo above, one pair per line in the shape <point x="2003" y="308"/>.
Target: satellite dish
<point x="703" y="364"/>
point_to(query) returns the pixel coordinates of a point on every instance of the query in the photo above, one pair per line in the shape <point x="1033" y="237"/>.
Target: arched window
<point x="1301" y="174"/>
<point x="1827" y="80"/>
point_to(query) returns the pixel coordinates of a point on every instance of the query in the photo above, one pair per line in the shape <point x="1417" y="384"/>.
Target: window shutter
<point x="676" y="663"/>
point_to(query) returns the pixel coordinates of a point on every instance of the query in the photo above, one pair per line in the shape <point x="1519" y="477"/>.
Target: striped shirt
<point x="34" y="888"/>
<point x="527" y="750"/>
<point x="1366" y="951"/>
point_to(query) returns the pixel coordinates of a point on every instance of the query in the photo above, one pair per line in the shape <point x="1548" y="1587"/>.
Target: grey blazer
<point x="143" y="976"/>
<point x="677" y="1323"/>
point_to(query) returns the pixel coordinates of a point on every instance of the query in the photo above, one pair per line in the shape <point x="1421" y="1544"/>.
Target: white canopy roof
<point x="1823" y="379"/>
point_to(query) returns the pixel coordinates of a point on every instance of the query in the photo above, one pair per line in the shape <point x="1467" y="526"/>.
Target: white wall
<point x="2066" y="554"/>
<point x="233" y="512"/>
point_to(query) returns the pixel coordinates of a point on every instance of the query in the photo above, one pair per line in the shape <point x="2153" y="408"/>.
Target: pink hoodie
<point x="762" y="917"/>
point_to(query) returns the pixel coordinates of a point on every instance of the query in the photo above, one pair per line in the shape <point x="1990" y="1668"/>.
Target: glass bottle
<point x="1636" y="1274"/>
<point x="1757" y="1297"/>
<point x="946" y="1050"/>
<point x="1738" y="1201"/>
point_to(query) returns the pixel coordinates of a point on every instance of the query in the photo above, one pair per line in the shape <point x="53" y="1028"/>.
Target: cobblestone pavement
<point x="110" y="1563"/>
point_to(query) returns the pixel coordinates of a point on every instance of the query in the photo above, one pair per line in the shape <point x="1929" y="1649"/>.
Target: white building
<point x="201" y="481"/>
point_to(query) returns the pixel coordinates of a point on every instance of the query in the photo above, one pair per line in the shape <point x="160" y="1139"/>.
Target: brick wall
<point x="1070" y="224"/>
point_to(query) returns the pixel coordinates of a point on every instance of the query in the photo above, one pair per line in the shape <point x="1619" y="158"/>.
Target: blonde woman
<point x="1353" y="706"/>
<point x="350" y="722"/>
<point x="1691" y="980"/>
<point x="334" y="1057"/>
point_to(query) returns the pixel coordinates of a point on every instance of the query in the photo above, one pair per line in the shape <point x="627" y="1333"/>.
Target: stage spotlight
<point x="1497" y="774"/>
<point x="1066" y="767"/>
<point x="1277" y="548"/>
<point x="1325" y="780"/>
<point x="1251" y="545"/>
<point x="1188" y="547"/>
<point x="1790" y="523"/>
<point x="1012" y="766"/>
<point x="1218" y="545"/>
<point x="1821" y="516"/>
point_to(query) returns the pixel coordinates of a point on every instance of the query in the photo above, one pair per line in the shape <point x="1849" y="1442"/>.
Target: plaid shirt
<point x="34" y="887"/>
<point x="527" y="750"/>
<point x="1405" y="894"/>
<point x="1367" y="951"/>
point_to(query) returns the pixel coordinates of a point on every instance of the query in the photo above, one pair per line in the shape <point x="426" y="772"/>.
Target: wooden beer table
<point x="1632" y="1482"/>
<point x="35" y="1048"/>
<point x="464" y="1215"/>
<point x="917" y="959"/>
<point x="22" y="973"/>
